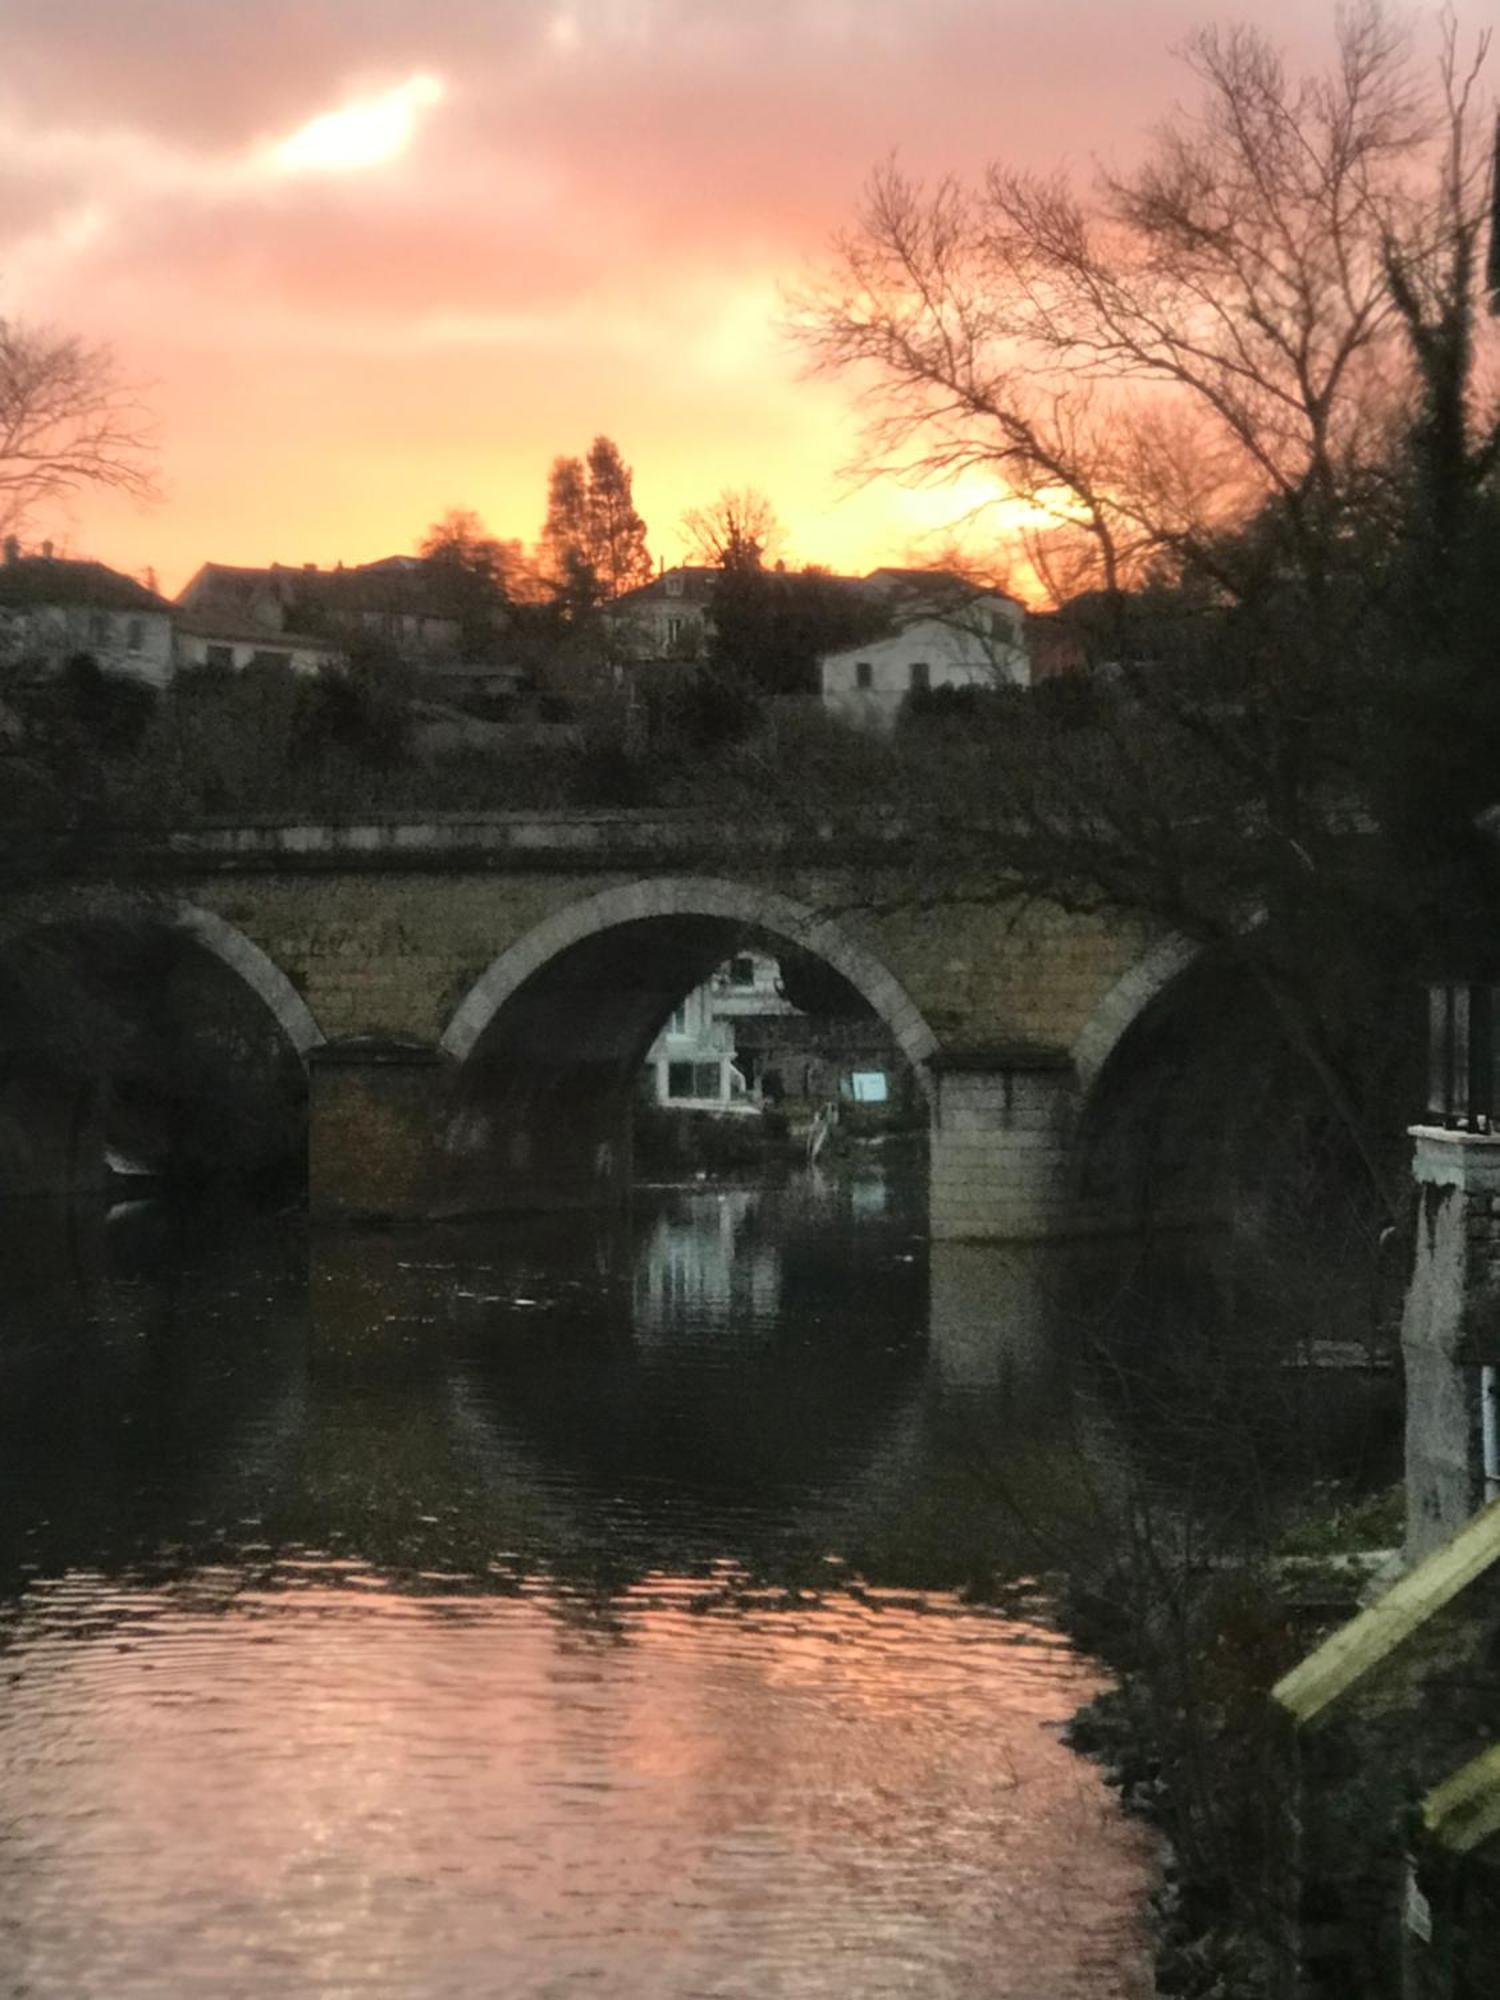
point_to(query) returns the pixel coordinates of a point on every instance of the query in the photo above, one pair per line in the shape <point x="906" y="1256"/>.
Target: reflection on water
<point x="311" y="1779"/>
<point x="702" y="1259"/>
<point x="542" y="1609"/>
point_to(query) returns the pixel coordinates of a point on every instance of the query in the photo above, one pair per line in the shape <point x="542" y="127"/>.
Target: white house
<point x="53" y="609"/>
<point x="947" y="637"/>
<point x="216" y="643"/>
<point x="691" y="1062"/>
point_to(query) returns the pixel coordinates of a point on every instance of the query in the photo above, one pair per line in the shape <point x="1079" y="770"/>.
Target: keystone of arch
<point x="692" y="896"/>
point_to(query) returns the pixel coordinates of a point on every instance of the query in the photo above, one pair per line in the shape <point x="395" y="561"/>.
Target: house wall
<point x="193" y="650"/>
<point x="412" y="632"/>
<point x="672" y="629"/>
<point x="954" y="655"/>
<point x="124" y="642"/>
<point x="701" y="1039"/>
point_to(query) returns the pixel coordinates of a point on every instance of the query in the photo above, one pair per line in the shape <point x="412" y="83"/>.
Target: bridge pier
<point x="374" y="1112"/>
<point x="393" y="1137"/>
<point x="1001" y="1144"/>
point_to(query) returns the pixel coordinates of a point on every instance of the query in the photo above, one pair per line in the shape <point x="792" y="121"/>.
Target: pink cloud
<point x="578" y="236"/>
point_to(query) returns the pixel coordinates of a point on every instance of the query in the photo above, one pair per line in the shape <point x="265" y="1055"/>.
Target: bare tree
<point x="739" y="528"/>
<point x="1230" y="382"/>
<point x="1209" y="335"/>
<point x="67" y="421"/>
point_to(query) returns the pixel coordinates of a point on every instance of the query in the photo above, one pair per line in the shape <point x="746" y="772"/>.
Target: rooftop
<point x="49" y="579"/>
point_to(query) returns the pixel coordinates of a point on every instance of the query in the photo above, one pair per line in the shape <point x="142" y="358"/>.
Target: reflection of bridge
<point x="472" y="997"/>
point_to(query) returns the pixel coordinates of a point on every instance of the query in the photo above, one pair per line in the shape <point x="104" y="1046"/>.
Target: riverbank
<point x="1186" y="1735"/>
<point x="682" y="1145"/>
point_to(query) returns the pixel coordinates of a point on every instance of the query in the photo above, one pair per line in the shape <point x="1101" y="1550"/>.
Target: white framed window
<point x="689" y="1079"/>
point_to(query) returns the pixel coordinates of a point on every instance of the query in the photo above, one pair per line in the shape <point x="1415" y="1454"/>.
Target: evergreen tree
<point x="593" y="543"/>
<point x="616" y="533"/>
<point x="564" y="554"/>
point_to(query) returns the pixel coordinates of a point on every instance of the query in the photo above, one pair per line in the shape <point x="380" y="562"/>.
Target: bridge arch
<point x="257" y="970"/>
<point x="544" y="1051"/>
<point x="1137" y="988"/>
<point x="1195" y="1105"/>
<point x="142" y="1024"/>
<point x="692" y="897"/>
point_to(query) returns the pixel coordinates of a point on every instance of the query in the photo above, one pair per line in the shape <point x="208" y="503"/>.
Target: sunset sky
<point x="375" y="259"/>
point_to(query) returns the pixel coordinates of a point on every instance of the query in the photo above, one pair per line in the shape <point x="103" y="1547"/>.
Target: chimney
<point x="12" y="549"/>
<point x="311" y="567"/>
<point x="46" y="552"/>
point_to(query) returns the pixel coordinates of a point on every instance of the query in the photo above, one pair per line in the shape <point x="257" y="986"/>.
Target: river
<point x="548" y="1609"/>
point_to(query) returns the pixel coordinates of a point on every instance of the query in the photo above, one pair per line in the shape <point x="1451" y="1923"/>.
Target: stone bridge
<point x="472" y="996"/>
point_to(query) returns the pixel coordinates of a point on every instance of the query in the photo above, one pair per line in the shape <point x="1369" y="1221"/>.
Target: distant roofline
<point x="75" y="573"/>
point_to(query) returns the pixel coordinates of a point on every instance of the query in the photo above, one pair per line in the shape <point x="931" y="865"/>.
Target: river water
<point x="539" y="1609"/>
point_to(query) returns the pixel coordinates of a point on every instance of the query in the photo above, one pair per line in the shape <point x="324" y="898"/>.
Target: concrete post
<point x="1450" y="1330"/>
<point x="1002" y="1128"/>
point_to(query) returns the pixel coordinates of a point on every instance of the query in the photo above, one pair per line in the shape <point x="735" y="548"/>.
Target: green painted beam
<point x="1464" y="1811"/>
<point x="1358" y="1648"/>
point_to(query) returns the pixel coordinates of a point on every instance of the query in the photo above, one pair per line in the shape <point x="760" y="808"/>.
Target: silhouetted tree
<point x="770" y="626"/>
<point x="1242" y="373"/>
<point x="564" y="550"/>
<point x="616" y="532"/>
<point x="475" y="573"/>
<point x="738" y="529"/>
<point x="593" y="543"/>
<point x="67" y="420"/>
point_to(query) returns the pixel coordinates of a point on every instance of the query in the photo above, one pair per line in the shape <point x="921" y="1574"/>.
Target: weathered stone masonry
<point x="1450" y="1331"/>
<point x="397" y="954"/>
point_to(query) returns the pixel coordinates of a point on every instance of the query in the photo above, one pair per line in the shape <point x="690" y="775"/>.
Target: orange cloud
<point x="378" y="260"/>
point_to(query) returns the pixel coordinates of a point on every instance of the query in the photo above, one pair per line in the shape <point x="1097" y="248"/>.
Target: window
<point x="264" y="656"/>
<point x="135" y="634"/>
<point x="864" y="674"/>
<point x="921" y="674"/>
<point x="98" y="628"/>
<point x="685" y="1079"/>
<point x="674" y="585"/>
<point x="218" y="656"/>
<point x="742" y="970"/>
<point x="868" y="1086"/>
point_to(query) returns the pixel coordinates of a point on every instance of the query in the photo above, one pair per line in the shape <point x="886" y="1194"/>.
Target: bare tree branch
<point x="67" y="421"/>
